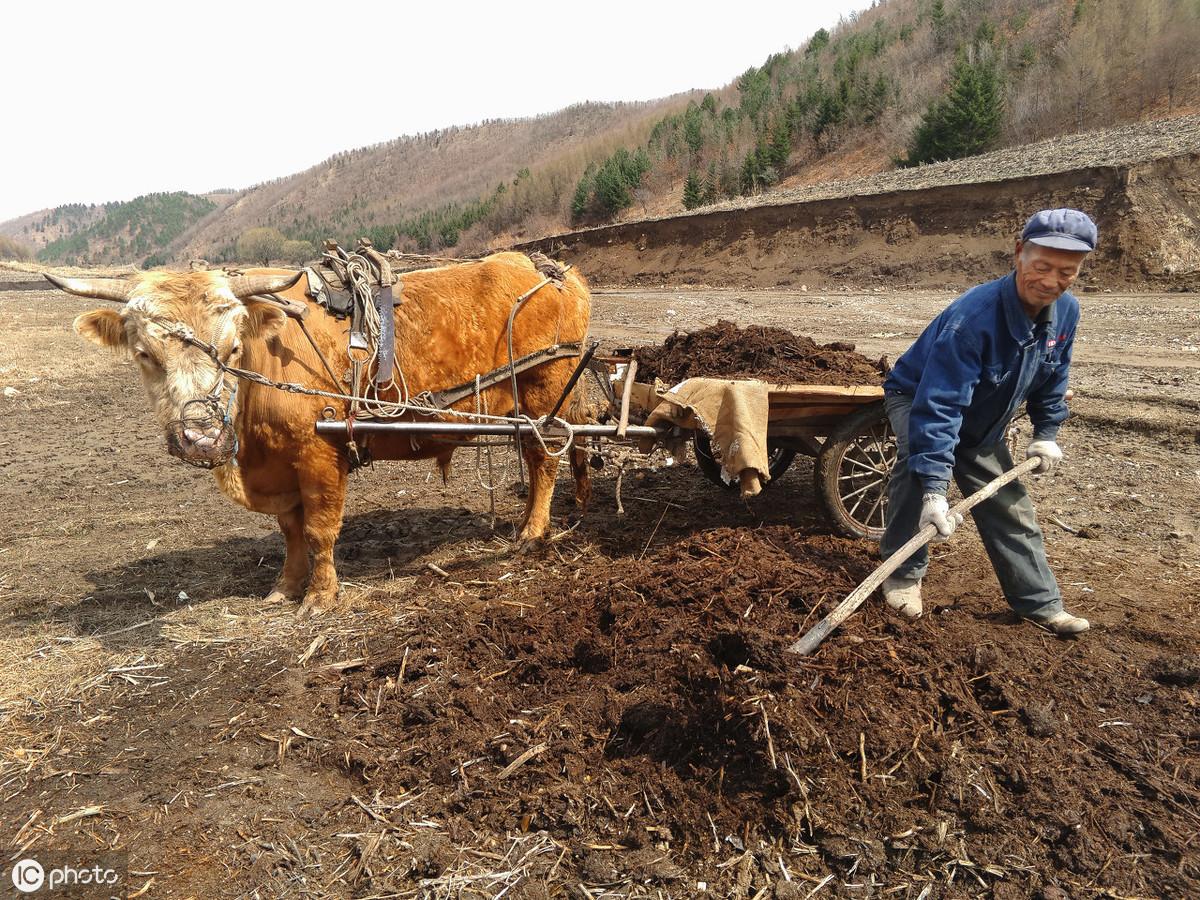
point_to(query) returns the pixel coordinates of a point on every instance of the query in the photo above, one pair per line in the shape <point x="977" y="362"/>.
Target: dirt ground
<point x="611" y="715"/>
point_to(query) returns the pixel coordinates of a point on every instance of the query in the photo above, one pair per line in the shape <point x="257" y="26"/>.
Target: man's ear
<point x="265" y="320"/>
<point x="103" y="327"/>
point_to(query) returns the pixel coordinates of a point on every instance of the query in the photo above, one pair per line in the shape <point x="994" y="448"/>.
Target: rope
<point x="382" y="408"/>
<point x="355" y="272"/>
<point x="512" y="315"/>
<point x="566" y="426"/>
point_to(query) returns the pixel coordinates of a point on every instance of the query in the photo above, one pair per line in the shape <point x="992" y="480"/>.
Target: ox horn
<point x="244" y="286"/>
<point x="117" y="289"/>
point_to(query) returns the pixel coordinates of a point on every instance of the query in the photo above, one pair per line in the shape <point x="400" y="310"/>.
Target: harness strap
<point x="448" y="397"/>
<point x="386" y="352"/>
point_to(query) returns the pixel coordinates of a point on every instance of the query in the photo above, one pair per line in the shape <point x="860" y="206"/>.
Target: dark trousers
<point x="1007" y="522"/>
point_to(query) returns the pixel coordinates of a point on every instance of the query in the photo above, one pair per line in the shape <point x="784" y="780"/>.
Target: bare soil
<point x="612" y="714"/>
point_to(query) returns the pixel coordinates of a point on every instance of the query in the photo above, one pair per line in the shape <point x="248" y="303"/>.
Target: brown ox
<point x="451" y="325"/>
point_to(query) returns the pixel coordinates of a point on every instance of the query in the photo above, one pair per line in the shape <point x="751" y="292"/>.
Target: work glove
<point x="935" y="511"/>
<point x="1049" y="452"/>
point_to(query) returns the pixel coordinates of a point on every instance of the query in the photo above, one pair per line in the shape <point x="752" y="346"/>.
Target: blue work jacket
<point x="972" y="368"/>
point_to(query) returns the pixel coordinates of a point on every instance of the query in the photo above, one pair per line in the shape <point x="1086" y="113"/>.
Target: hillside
<point x="140" y="231"/>
<point x="909" y="82"/>
<point x="905" y="82"/>
<point x="371" y="190"/>
<point x="37" y="229"/>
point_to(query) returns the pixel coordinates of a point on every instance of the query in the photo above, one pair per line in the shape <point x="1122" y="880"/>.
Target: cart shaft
<point x="340" y="428"/>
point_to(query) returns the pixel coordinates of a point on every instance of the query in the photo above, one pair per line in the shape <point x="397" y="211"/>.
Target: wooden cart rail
<point x="817" y="405"/>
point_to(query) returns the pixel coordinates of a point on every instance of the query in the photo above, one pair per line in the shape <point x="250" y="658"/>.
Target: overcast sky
<point x="108" y="100"/>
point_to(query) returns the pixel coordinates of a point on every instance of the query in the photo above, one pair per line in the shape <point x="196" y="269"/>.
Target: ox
<point x="451" y="325"/>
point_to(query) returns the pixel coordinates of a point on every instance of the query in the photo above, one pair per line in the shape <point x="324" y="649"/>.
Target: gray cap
<point x="1065" y="229"/>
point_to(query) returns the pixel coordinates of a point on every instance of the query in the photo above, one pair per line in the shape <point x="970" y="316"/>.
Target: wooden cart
<point x="844" y="429"/>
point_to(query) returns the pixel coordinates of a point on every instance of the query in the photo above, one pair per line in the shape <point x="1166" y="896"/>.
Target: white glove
<point x="935" y="511"/>
<point x="1050" y="453"/>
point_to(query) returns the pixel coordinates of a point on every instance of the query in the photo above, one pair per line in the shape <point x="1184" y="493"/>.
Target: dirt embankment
<point x="1148" y="213"/>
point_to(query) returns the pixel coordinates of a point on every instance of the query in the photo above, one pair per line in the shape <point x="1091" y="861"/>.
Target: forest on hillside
<point x="908" y="81"/>
<point x="903" y="83"/>
<point x="137" y="230"/>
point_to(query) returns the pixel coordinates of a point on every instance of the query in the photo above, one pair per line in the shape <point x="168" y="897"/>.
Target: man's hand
<point x="935" y="511"/>
<point x="1048" y="451"/>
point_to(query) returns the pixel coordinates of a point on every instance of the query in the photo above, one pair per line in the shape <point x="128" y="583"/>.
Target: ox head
<point x="191" y="400"/>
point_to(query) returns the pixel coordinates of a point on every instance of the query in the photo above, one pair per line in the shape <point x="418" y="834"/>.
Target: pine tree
<point x="640" y="166"/>
<point x="780" y="146"/>
<point x="749" y="180"/>
<point x="937" y="16"/>
<point x="831" y="112"/>
<point x="693" y="191"/>
<point x="966" y="120"/>
<point x="729" y="183"/>
<point x="583" y="195"/>
<point x="616" y="176"/>
<point x="693" y="128"/>
<point x="711" y="185"/>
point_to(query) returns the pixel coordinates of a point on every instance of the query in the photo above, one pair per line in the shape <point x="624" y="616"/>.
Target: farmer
<point x="950" y="398"/>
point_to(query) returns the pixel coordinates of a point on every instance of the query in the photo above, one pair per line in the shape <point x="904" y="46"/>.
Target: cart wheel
<point x="852" y="472"/>
<point x="779" y="458"/>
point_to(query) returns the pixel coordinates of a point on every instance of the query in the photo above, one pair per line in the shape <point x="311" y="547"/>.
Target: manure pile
<point x="757" y="351"/>
<point x="646" y="726"/>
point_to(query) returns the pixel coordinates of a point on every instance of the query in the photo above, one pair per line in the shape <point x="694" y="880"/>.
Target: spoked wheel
<point x="853" y="471"/>
<point x="779" y="458"/>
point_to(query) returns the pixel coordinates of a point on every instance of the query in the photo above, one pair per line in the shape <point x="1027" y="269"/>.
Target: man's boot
<point x="903" y="595"/>
<point x="1062" y="623"/>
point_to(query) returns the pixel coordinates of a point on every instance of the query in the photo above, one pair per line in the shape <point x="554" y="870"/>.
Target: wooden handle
<point x="293" y="308"/>
<point x="626" y="389"/>
<point x="815" y="635"/>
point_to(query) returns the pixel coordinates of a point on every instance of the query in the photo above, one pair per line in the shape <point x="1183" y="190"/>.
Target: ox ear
<point x="265" y="320"/>
<point x="104" y="327"/>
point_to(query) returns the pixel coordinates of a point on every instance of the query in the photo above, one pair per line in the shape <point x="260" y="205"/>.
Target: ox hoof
<point x="317" y="605"/>
<point x="278" y="596"/>
<point x="527" y="546"/>
<point x="309" y="610"/>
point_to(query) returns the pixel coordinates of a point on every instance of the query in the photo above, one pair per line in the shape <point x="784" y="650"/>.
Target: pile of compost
<point x="648" y="720"/>
<point x="757" y="351"/>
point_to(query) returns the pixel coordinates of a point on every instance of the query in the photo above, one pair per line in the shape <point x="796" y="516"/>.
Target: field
<point x="612" y="714"/>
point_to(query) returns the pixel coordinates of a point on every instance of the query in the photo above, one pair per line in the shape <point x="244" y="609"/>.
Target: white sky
<point x="108" y="100"/>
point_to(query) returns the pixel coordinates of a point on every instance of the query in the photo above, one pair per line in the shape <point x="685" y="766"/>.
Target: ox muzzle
<point x="203" y="436"/>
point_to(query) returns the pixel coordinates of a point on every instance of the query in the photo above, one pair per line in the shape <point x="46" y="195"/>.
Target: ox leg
<point x="542" y="471"/>
<point x="290" y="584"/>
<point x="323" y="498"/>
<point x="582" y="473"/>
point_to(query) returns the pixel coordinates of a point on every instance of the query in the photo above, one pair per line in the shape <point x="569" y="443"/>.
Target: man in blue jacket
<point x="951" y="396"/>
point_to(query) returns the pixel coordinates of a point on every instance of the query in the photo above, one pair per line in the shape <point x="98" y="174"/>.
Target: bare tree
<point x="1178" y="55"/>
<point x="1081" y="78"/>
<point x="260" y="245"/>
